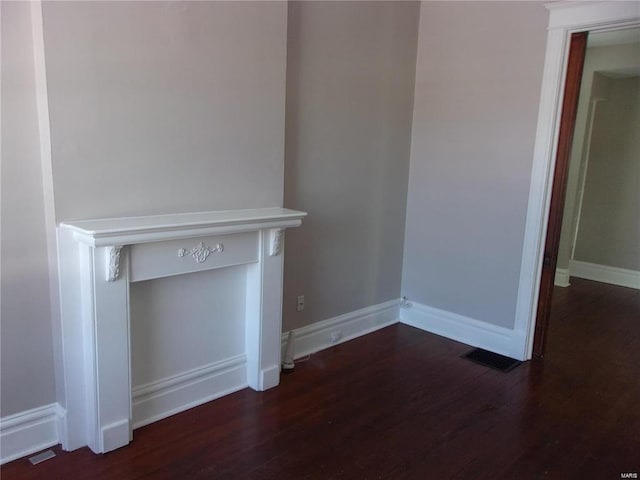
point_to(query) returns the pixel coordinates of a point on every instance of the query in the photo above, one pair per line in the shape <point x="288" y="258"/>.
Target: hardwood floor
<point x="401" y="404"/>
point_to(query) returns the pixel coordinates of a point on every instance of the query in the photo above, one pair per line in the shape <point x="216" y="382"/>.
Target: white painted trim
<point x="564" y="19"/>
<point x="163" y="398"/>
<point x="113" y="435"/>
<point x="462" y="329"/>
<point x="159" y="228"/>
<point x="96" y="321"/>
<point x="592" y="15"/>
<point x="318" y="336"/>
<point x="606" y="274"/>
<point x="562" y="277"/>
<point x="29" y="432"/>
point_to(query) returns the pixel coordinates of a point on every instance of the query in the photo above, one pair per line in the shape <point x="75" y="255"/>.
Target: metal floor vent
<point x="492" y="360"/>
<point x="41" y="457"/>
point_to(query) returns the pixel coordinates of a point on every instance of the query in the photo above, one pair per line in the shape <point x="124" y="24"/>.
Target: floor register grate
<point x="492" y="360"/>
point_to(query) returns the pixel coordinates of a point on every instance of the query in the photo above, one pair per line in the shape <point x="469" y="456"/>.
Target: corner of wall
<point x="333" y="331"/>
<point x="44" y="128"/>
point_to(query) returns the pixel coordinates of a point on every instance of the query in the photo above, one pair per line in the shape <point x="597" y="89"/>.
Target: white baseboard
<point x="318" y="336"/>
<point x="562" y="277"/>
<point x="29" y="432"/>
<point x="166" y="397"/>
<point x="463" y="329"/>
<point x="605" y="274"/>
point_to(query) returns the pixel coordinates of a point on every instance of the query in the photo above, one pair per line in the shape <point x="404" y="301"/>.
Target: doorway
<point x="610" y="234"/>
<point x="565" y="18"/>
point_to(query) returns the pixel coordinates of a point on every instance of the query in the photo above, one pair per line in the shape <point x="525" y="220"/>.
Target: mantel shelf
<point x="152" y="228"/>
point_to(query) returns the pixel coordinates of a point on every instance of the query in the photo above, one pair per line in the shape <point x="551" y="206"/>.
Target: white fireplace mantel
<point x="98" y="261"/>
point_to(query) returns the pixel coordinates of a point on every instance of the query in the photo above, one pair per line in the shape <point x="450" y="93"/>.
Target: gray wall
<point x="350" y="82"/>
<point x="27" y="373"/>
<point x="478" y="82"/>
<point x="154" y="107"/>
<point x="162" y="107"/>
<point x="605" y="58"/>
<point x="609" y="229"/>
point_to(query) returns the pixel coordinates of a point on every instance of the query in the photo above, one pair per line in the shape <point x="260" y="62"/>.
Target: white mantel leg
<point x="111" y="400"/>
<point x="263" y="324"/>
<point x="75" y="333"/>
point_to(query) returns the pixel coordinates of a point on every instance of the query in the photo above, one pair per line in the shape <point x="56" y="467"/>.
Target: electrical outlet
<point x="300" y="306"/>
<point x="336" y="336"/>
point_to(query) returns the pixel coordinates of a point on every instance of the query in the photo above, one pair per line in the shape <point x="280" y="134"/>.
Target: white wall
<point x="350" y="82"/>
<point x="160" y="107"/>
<point x="478" y="82"/>
<point x="27" y="375"/>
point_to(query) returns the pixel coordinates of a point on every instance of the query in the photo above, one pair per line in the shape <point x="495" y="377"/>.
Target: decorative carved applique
<point x="276" y="241"/>
<point x="201" y="251"/>
<point x="113" y="270"/>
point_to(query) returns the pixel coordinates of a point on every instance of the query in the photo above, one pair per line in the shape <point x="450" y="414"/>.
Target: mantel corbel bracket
<point x="276" y="241"/>
<point x="113" y="262"/>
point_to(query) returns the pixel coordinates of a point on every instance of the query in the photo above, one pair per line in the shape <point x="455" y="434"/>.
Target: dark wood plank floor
<point x="401" y="404"/>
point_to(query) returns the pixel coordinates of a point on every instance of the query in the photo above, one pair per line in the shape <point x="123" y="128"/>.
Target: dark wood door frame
<point x="577" y="50"/>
